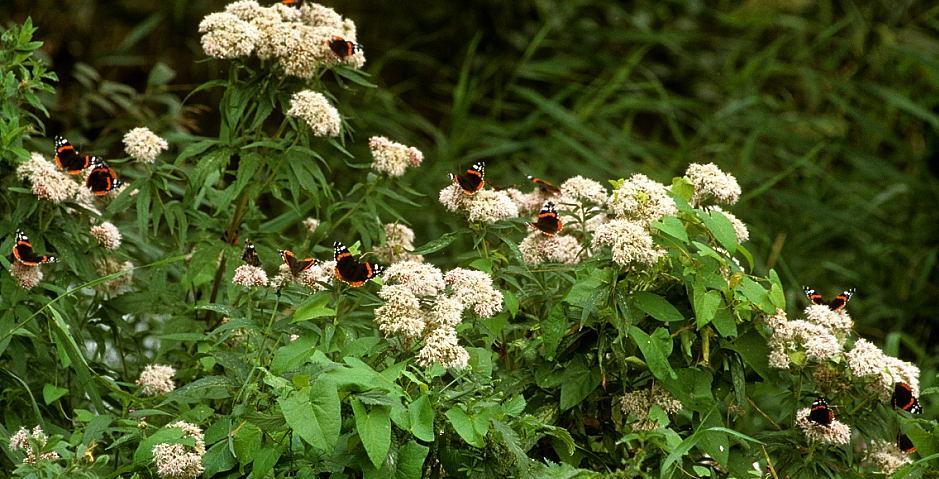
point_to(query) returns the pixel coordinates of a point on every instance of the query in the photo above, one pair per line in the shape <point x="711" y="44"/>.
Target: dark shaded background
<point x="826" y="111"/>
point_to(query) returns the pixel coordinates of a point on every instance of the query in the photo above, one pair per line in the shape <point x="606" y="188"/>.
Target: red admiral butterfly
<point x="68" y="159"/>
<point x="250" y="255"/>
<point x="904" y="399"/>
<point x="344" y="48"/>
<point x="545" y="186"/>
<point x="473" y="180"/>
<point x="102" y="179"/>
<point x="904" y="443"/>
<point x="352" y="272"/>
<point x="292" y="3"/>
<point x="836" y="304"/>
<point x="297" y="266"/>
<point x="548" y="221"/>
<point x="23" y="252"/>
<point x="820" y="413"/>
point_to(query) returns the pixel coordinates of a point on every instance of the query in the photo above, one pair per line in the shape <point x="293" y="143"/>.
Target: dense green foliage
<point x="825" y="113"/>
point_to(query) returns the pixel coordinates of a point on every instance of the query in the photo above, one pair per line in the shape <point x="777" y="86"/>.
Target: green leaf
<point x="51" y="393"/>
<point x="298" y="412"/>
<point x="264" y="461"/>
<point x="654" y="353"/>
<point x="673" y="227"/>
<point x="422" y="419"/>
<point x="314" y="307"/>
<point x="580" y="381"/>
<point x="657" y="307"/>
<point x="437" y="244"/>
<point x="374" y="428"/>
<point x="291" y="356"/>
<point x="725" y="323"/>
<point x="553" y="328"/>
<point x="218" y="458"/>
<point x="705" y="306"/>
<point x="410" y="464"/>
<point x="463" y="426"/>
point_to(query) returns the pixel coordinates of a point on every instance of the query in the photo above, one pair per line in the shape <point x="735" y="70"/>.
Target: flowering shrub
<point x="199" y="321"/>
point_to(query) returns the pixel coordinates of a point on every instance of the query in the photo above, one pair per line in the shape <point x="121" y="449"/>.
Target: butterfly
<point x="68" y="159"/>
<point x="545" y="186"/>
<point x="250" y="255"/>
<point x="292" y="3"/>
<point x="820" y="413"/>
<point x="23" y="252"/>
<point x="473" y="180"/>
<point x="904" y="399"/>
<point x="344" y="48"/>
<point x="351" y="271"/>
<point x="904" y="443"/>
<point x="836" y="304"/>
<point x="297" y="266"/>
<point x="548" y="221"/>
<point x="102" y="179"/>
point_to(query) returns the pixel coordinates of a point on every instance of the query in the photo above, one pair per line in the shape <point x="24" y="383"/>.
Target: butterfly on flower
<point x="836" y="304"/>
<point x="548" y="221"/>
<point x="473" y="180"/>
<point x="821" y="413"/>
<point x="102" y="179"/>
<point x="23" y="252"/>
<point x="67" y="157"/>
<point x="351" y="271"/>
<point x="297" y="266"/>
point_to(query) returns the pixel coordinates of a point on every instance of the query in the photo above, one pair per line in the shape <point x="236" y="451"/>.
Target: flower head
<point x="178" y="461"/>
<point x="143" y="145"/>
<point x="119" y="285"/>
<point x="28" y="277"/>
<point x="446" y="311"/>
<point x="48" y="183"/>
<point x="107" y="235"/>
<point x="817" y="342"/>
<point x="641" y="199"/>
<point x="401" y="314"/>
<point x="399" y="242"/>
<point x="475" y="290"/>
<point x="311" y="224"/>
<point x="712" y="184"/>
<point x="490" y="206"/>
<point x="837" y="433"/>
<point x="422" y="279"/>
<point x="582" y="191"/>
<point x="393" y="158"/>
<point x="224" y="35"/>
<point x="838" y="322"/>
<point x="314" y="109"/>
<point x="629" y="242"/>
<point x="887" y="457"/>
<point x="638" y="404"/>
<point x="156" y="379"/>
<point x="319" y="275"/>
<point x="249" y="276"/>
<point x="23" y="440"/>
<point x="539" y="248"/>
<point x="527" y="203"/>
<point x="867" y="361"/>
<point x="442" y="347"/>
<point x="740" y="229"/>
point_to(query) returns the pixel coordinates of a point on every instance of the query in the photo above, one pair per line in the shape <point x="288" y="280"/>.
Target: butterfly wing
<point x="841" y="300"/>
<point x="545" y="186"/>
<point x="473" y="180"/>
<point x="820" y="413"/>
<point x="250" y="255"/>
<point x="296" y="266"/>
<point x="548" y="221"/>
<point x="66" y="158"/>
<point x="814" y="296"/>
<point x="351" y="271"/>
<point x="23" y="252"/>
<point x="102" y="178"/>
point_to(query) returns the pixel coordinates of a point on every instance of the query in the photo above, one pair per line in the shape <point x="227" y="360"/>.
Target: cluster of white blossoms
<point x="48" y="183"/>
<point x="529" y="203"/>
<point x="484" y="206"/>
<point x="393" y="158"/>
<point x="107" y="235"/>
<point x="319" y="276"/>
<point x="638" y="405"/>
<point x="630" y="242"/>
<point x="712" y="185"/>
<point x="398" y="245"/>
<point x="119" y="285"/>
<point x="143" y="145"/>
<point x="422" y="303"/>
<point x="642" y="200"/>
<point x="27" y="277"/>
<point x="297" y="39"/>
<point x="837" y="433"/>
<point x="20" y="441"/>
<point x="156" y="379"/>
<point x="539" y="248"/>
<point x="868" y="362"/>
<point x="316" y="111"/>
<point x="311" y="224"/>
<point x="178" y="461"/>
<point x="740" y="229"/>
<point x="793" y="339"/>
<point x="887" y="457"/>
<point x="250" y="276"/>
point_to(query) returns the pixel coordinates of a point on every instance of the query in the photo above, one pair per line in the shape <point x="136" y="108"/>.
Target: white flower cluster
<point x="630" y="243"/>
<point x="311" y="224"/>
<point x="399" y="242"/>
<point x="48" y="183"/>
<point x="421" y="303"/>
<point x="393" y="158"/>
<point x="119" y="285"/>
<point x="143" y="145"/>
<point x="540" y="248"/>
<point x="20" y="441"/>
<point x="250" y="276"/>
<point x="296" y="39"/>
<point x="867" y="361"/>
<point x="27" y="277"/>
<point x="642" y="200"/>
<point x="837" y="433"/>
<point x="316" y="111"/>
<point x="156" y="379"/>
<point x="712" y="185"/>
<point x="528" y="203"/>
<point x="318" y="276"/>
<point x="790" y="338"/>
<point x="177" y="461"/>
<point x="638" y="404"/>
<point x="887" y="457"/>
<point x="107" y="235"/>
<point x="484" y="206"/>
